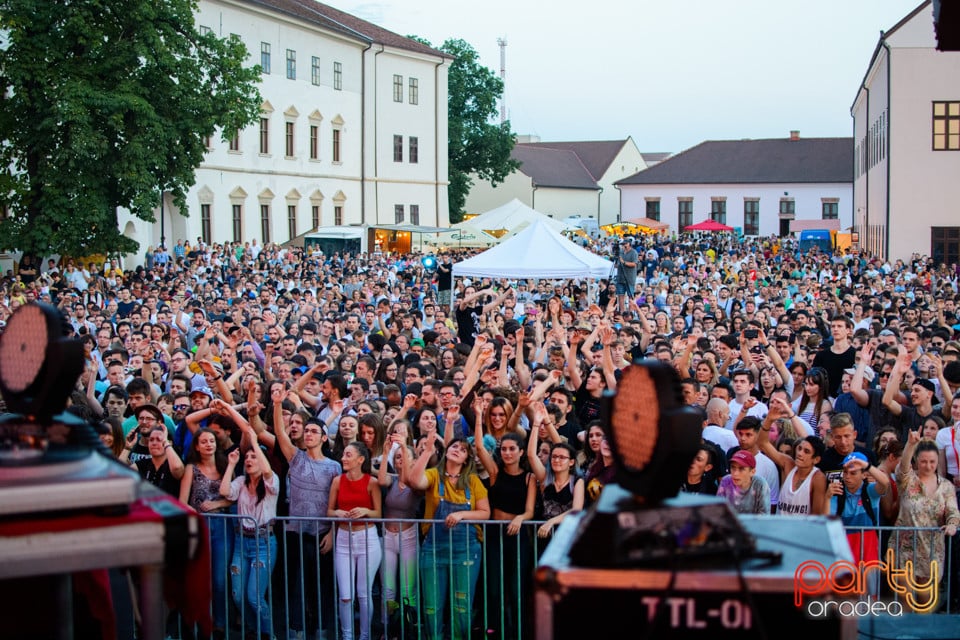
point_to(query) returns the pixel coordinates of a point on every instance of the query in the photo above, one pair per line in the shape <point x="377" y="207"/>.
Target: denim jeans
<point x="310" y="582"/>
<point x="253" y="561"/>
<point x="221" y="553"/>
<point x="447" y="568"/>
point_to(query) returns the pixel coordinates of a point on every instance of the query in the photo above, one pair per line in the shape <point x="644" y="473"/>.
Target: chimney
<point x="794" y="134"/>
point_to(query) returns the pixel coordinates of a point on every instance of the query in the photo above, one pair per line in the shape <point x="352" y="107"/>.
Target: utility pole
<point x="502" y="42"/>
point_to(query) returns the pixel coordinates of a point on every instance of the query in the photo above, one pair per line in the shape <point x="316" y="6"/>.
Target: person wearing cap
<point x="742" y="487"/>
<point x="921" y="397"/>
<point x="626" y="275"/>
<point x="857" y="503"/>
<point x="146" y="417"/>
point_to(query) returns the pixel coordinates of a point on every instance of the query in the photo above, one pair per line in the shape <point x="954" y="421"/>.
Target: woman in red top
<point x="354" y="496"/>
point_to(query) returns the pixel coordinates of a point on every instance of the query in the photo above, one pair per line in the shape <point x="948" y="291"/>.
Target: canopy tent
<point x="708" y="225"/>
<point x="463" y="235"/>
<point x="649" y="223"/>
<point x="509" y="219"/>
<point x="539" y="251"/>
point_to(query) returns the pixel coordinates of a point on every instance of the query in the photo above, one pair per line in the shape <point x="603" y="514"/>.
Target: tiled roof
<point x="595" y="155"/>
<point x="553" y="167"/>
<point x="335" y="20"/>
<point x="755" y="161"/>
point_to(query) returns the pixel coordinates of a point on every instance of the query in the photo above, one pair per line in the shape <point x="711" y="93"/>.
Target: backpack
<point x="864" y="499"/>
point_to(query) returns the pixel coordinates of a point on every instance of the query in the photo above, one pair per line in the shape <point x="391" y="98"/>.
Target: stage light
<point x="429" y="262"/>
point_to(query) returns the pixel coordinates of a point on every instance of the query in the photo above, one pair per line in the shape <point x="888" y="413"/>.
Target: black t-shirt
<point x="444" y="277"/>
<point x="468" y="323"/>
<point x="569" y="430"/>
<point x="835" y="363"/>
<point x="162" y="478"/>
<point x="831" y="463"/>
<point x="586" y="407"/>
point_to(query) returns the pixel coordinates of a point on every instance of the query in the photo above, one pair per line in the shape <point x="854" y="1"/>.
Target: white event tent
<point x="510" y="219"/>
<point x="537" y="252"/>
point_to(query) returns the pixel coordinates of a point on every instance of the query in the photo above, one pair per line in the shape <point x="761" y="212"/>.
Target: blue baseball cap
<point x="856" y="455"/>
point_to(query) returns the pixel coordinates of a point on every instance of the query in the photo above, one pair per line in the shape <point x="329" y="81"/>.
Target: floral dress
<point x="918" y="510"/>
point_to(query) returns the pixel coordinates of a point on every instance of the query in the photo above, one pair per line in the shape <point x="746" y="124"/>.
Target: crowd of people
<point x="331" y="391"/>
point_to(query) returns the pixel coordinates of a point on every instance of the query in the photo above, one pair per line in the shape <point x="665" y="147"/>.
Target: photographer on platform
<point x="626" y="277"/>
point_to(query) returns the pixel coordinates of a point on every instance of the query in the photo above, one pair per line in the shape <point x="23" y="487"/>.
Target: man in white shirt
<point x="718" y="411"/>
<point x="742" y="381"/>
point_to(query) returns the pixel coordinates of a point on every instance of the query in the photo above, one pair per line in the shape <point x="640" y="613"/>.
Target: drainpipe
<point x="363" y="133"/>
<point x="376" y="156"/>
<point x="533" y="198"/>
<point x="436" y="142"/>
<point x="887" y="120"/>
<point x="619" y="203"/>
<point x="866" y="215"/>
<point x="599" y="193"/>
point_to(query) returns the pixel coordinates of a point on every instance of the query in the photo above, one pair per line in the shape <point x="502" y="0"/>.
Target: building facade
<point x="352" y="131"/>
<point x="562" y="179"/>
<point x="757" y="186"/>
<point x="906" y="119"/>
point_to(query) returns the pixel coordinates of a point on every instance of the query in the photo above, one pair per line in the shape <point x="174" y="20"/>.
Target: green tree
<point x="106" y="104"/>
<point x="477" y="143"/>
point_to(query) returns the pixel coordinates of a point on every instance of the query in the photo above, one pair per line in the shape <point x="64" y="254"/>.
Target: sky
<point x="669" y="73"/>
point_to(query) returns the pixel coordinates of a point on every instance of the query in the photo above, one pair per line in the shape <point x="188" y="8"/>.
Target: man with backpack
<point x="857" y="502"/>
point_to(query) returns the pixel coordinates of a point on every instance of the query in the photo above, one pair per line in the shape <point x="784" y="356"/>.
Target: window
<point x="265" y="223"/>
<point x="314" y="70"/>
<point x="414" y="154"/>
<point x="337" y="76"/>
<point x="414" y="214"/>
<point x="235" y="142"/>
<point x="831" y="210"/>
<point x="292" y="220"/>
<point x="398" y="213"/>
<point x="653" y="210"/>
<point x="398" y="148"/>
<point x="945" y="244"/>
<point x="397" y="88"/>
<point x="205" y="223"/>
<point x="314" y="142"/>
<point x="264" y="135"/>
<point x="315" y="216"/>
<point x="291" y="64"/>
<point x="718" y="211"/>
<point x="204" y="30"/>
<point x="336" y="145"/>
<point x="413" y="91"/>
<point x="751" y="217"/>
<point x="265" y="58"/>
<point x="288" y="139"/>
<point x="338" y="215"/>
<point x="237" y="222"/>
<point x="787" y="207"/>
<point x="946" y="126"/>
<point x="685" y="213"/>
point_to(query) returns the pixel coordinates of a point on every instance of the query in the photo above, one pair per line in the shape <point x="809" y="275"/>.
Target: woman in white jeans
<point x="355" y="495"/>
<point x="400" y="539"/>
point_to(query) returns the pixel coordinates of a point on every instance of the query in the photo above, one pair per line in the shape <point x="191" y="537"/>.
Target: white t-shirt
<point x="265" y="510"/>
<point x="948" y="441"/>
<point x="758" y="410"/>
<point x="723" y="438"/>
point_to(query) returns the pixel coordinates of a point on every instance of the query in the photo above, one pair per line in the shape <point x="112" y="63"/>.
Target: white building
<point x="353" y="131"/>
<point x="759" y="186"/>
<point x="562" y="179"/>
<point x="907" y="158"/>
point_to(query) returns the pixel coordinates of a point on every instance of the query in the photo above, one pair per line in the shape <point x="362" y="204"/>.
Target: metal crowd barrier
<point x="303" y="594"/>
